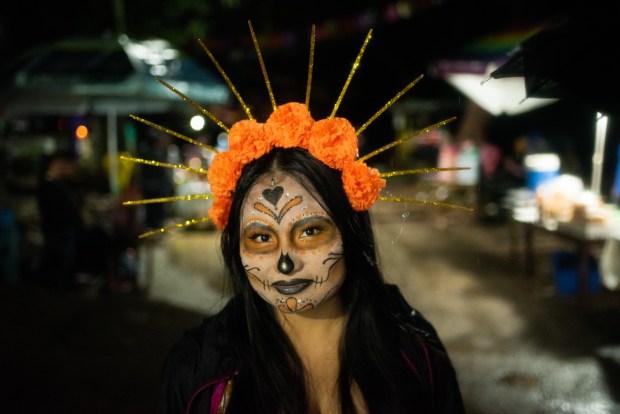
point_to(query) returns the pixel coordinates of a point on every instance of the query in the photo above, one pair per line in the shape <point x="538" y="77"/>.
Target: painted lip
<point x="291" y="287"/>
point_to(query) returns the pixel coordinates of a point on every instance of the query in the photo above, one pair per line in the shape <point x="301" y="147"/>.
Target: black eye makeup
<point x="258" y="237"/>
<point x="313" y="232"/>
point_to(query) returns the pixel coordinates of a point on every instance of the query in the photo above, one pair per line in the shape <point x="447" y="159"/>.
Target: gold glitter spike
<point x="163" y="164"/>
<point x="424" y="202"/>
<point x="173" y="133"/>
<point x="245" y="107"/>
<point x="420" y="171"/>
<point x="181" y="225"/>
<point x="400" y="141"/>
<point x="310" y="65"/>
<point x="262" y="66"/>
<point x="388" y="104"/>
<point x="353" y="69"/>
<point x="194" y="103"/>
<point x="168" y="199"/>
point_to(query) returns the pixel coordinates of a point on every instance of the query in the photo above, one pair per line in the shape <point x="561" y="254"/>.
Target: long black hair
<point x="271" y="378"/>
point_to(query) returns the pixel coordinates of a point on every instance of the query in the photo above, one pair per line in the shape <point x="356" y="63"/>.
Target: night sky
<point x="427" y="27"/>
<point x="408" y="34"/>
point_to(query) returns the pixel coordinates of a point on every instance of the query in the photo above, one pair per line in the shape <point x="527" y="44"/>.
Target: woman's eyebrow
<point x="313" y="219"/>
<point x="253" y="225"/>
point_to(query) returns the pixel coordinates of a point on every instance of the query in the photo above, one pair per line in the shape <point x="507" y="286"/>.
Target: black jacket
<point x="201" y="363"/>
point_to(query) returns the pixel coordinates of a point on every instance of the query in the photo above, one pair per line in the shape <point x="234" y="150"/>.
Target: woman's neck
<point x="316" y="336"/>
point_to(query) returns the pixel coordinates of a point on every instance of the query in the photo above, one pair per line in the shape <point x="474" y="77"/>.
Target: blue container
<point x="540" y="168"/>
<point x="534" y="179"/>
<point x="565" y="269"/>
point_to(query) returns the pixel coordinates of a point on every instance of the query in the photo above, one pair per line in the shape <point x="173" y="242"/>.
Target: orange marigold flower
<point x="247" y="139"/>
<point x="362" y="184"/>
<point x="333" y="141"/>
<point x="223" y="173"/>
<point x="288" y="125"/>
<point x="219" y="211"/>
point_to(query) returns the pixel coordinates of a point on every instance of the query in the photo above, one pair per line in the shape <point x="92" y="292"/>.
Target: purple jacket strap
<point x="220" y="387"/>
<point x="218" y="394"/>
<point x="411" y="366"/>
<point x="430" y="370"/>
<point x="428" y="366"/>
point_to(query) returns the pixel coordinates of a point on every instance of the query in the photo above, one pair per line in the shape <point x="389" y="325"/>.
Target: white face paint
<point x="290" y="247"/>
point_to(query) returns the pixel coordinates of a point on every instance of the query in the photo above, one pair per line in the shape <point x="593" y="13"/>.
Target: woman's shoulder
<point x="202" y="358"/>
<point x="417" y="333"/>
<point x="407" y="314"/>
<point x="425" y="354"/>
<point x="207" y="347"/>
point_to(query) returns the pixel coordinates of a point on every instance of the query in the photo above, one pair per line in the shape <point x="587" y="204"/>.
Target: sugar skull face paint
<point x="290" y="248"/>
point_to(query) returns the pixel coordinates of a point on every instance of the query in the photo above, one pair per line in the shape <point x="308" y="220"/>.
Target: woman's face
<point x="290" y="248"/>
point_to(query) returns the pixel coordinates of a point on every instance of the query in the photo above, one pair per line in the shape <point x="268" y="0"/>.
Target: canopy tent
<point x="108" y="77"/>
<point x="575" y="58"/>
<point x="469" y="69"/>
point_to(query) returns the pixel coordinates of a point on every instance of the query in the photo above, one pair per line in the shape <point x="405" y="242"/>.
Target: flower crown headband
<point x="332" y="140"/>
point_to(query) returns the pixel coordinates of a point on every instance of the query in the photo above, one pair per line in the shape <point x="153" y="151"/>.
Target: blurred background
<point x="71" y="76"/>
<point x="531" y="83"/>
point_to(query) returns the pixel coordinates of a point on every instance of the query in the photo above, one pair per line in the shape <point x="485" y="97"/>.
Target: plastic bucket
<point x="540" y="168"/>
<point x="565" y="269"/>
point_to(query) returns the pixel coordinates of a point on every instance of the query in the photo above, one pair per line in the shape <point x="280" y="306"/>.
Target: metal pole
<point x="119" y="17"/>
<point x="113" y="150"/>
<point x="599" y="152"/>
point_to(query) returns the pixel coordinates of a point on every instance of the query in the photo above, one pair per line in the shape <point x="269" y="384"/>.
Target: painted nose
<point x="285" y="264"/>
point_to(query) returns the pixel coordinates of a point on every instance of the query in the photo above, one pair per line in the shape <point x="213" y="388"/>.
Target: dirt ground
<point x="518" y="346"/>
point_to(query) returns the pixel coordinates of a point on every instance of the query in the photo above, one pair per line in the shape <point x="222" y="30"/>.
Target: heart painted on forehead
<point x="273" y="195"/>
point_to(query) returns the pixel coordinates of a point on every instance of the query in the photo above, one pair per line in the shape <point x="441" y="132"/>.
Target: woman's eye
<point x="313" y="232"/>
<point x="261" y="238"/>
<point x="310" y="231"/>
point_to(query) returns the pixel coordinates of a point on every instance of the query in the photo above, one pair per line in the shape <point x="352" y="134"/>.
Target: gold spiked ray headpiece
<point x="332" y="140"/>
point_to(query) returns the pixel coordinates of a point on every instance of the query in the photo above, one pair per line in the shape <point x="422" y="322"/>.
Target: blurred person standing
<point x="59" y="206"/>
<point x="156" y="182"/>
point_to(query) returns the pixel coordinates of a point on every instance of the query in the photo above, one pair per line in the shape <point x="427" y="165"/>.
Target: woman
<point x="311" y="327"/>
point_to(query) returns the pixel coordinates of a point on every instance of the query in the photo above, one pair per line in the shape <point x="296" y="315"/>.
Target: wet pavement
<point x="518" y="346"/>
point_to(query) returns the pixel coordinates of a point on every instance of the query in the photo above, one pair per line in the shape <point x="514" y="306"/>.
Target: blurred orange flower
<point x="333" y="141"/>
<point x="223" y="173"/>
<point x="220" y="210"/>
<point x="362" y="184"/>
<point x="288" y="125"/>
